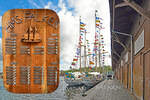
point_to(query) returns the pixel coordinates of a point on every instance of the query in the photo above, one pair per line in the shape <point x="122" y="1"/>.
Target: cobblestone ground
<point x="106" y="90"/>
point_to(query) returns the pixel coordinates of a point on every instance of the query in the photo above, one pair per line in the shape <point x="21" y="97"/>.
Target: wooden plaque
<point x="30" y="44"/>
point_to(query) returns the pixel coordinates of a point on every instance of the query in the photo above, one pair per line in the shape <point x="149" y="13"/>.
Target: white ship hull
<point x="72" y="82"/>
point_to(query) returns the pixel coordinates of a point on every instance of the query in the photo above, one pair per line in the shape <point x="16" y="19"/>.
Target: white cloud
<point x="61" y="4"/>
<point x="48" y="5"/>
<point x="34" y="4"/>
<point x="69" y="35"/>
<point x="0" y="21"/>
<point x="69" y="21"/>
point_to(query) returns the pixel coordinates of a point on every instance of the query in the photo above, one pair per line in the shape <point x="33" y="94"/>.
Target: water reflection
<point x="59" y="94"/>
<point x="63" y="92"/>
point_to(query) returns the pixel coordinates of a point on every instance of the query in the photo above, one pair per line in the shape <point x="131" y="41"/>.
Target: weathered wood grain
<point x="30" y="28"/>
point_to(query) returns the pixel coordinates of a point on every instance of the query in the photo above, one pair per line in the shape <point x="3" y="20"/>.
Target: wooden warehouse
<point x="130" y="36"/>
<point x="30" y="50"/>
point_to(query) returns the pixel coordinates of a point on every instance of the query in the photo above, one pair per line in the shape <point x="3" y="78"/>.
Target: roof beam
<point x="121" y="5"/>
<point x="121" y="44"/>
<point x="116" y="39"/>
<point x="114" y="52"/>
<point x="138" y="8"/>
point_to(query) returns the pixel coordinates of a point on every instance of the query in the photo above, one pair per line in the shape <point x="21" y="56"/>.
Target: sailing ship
<point x="95" y="77"/>
<point x="70" y="78"/>
<point x="90" y="76"/>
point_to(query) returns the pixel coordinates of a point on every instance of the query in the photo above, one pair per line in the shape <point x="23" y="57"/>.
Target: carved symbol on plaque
<point x="11" y="23"/>
<point x="31" y="35"/>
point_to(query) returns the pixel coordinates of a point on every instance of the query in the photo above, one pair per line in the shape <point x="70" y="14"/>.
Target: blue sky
<point x="68" y="12"/>
<point x="6" y="5"/>
<point x="28" y="4"/>
<point x="13" y="4"/>
<point x="23" y="4"/>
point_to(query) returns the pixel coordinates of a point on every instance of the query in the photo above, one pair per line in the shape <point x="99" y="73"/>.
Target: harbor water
<point x="63" y="92"/>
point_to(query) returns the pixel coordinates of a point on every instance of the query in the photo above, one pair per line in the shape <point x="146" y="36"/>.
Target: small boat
<point x="72" y="79"/>
<point x="89" y="82"/>
<point x="72" y="82"/>
<point x="91" y="79"/>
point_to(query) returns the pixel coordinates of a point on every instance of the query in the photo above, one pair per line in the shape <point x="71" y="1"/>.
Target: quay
<point x="106" y="90"/>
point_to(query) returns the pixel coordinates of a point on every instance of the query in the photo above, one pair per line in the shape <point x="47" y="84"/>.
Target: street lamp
<point x="131" y="41"/>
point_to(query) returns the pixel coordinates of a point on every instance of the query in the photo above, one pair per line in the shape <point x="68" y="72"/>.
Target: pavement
<point x="106" y="90"/>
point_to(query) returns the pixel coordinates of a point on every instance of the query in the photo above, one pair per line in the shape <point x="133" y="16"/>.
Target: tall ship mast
<point x="98" y="50"/>
<point x="82" y="43"/>
<point x="99" y="42"/>
<point x="83" y="55"/>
